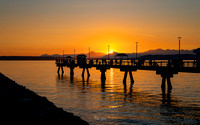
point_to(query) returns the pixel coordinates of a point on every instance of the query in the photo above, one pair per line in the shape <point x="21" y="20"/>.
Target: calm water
<point x="111" y="104"/>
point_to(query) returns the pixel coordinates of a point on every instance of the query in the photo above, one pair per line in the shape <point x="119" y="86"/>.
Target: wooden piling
<point x="125" y="76"/>
<point x="58" y="70"/>
<point x="83" y="72"/>
<point x="163" y="83"/>
<point x="62" y="69"/>
<point x="88" y="73"/>
<point x="71" y="71"/>
<point x="131" y="78"/>
<point x="128" y="70"/>
<point x="169" y="83"/>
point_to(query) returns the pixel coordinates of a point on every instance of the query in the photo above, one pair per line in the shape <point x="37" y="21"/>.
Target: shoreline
<point x="20" y="105"/>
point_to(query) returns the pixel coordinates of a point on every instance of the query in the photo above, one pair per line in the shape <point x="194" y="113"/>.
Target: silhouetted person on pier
<point x="178" y="63"/>
<point x="169" y="63"/>
<point x="116" y="61"/>
<point x="103" y="61"/>
<point x="91" y="62"/>
<point x="181" y="63"/>
<point x="134" y="61"/>
<point x="120" y="62"/>
<point x="141" y="62"/>
<point x="73" y="62"/>
<point x="174" y="63"/>
<point x="155" y="64"/>
<point x="65" y="62"/>
<point x="150" y="62"/>
<point x="194" y="63"/>
<point x="97" y="61"/>
<point x="131" y="61"/>
<point x="111" y="62"/>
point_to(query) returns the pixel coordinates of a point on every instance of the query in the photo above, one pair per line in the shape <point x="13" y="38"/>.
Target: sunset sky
<point x="36" y="27"/>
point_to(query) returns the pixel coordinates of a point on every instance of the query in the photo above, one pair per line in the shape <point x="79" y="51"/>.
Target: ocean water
<point x="110" y="103"/>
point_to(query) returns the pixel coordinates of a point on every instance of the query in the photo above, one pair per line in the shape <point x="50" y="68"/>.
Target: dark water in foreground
<point x="111" y="104"/>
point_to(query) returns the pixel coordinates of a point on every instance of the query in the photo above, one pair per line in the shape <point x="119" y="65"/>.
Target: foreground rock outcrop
<point x="19" y="106"/>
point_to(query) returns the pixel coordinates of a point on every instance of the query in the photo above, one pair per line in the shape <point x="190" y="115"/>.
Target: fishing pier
<point x="165" y="68"/>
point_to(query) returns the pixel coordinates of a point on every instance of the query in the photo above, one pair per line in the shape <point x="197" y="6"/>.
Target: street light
<point x="89" y="53"/>
<point x="179" y="53"/>
<point x="63" y="54"/>
<point x="74" y="54"/>
<point x="136" y="49"/>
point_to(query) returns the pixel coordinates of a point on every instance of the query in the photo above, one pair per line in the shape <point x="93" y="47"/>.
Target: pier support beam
<point x="103" y="74"/>
<point x="131" y="78"/>
<point x="163" y="83"/>
<point x="88" y="73"/>
<point x="58" y="70"/>
<point x="60" y="67"/>
<point x="71" y="71"/>
<point x="83" y="72"/>
<point x="169" y="85"/>
<point x="128" y="69"/>
<point x="166" y="74"/>
<point x="125" y="76"/>
<point x="103" y="69"/>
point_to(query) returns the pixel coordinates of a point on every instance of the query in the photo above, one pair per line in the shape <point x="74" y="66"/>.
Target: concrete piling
<point x="103" y="74"/>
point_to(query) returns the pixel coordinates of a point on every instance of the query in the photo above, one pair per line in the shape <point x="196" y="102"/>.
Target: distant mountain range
<point x="167" y="52"/>
<point x="158" y="54"/>
<point x="130" y="55"/>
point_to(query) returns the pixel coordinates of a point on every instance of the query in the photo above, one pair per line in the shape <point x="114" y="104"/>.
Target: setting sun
<point x="111" y="52"/>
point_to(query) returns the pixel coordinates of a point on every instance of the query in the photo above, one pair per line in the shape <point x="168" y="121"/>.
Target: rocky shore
<point x="21" y="106"/>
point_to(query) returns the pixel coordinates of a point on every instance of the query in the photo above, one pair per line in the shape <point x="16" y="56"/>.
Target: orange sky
<point x="33" y="28"/>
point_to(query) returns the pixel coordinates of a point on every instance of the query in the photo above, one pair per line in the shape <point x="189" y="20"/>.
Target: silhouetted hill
<point x="92" y="55"/>
<point x="154" y="54"/>
<point x="159" y="52"/>
<point x="167" y="57"/>
<point x="167" y="52"/>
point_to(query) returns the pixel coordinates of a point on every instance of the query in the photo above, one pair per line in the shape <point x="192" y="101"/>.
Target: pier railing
<point x="137" y="63"/>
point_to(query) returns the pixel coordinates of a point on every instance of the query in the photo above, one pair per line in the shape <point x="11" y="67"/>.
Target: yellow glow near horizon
<point x="111" y="51"/>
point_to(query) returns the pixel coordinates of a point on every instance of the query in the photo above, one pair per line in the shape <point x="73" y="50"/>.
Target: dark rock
<point x="21" y="106"/>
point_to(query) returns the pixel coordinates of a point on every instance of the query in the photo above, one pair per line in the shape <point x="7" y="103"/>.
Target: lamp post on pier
<point x="63" y="54"/>
<point x="89" y="53"/>
<point x="136" y="49"/>
<point x="74" y="54"/>
<point x="179" y="52"/>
